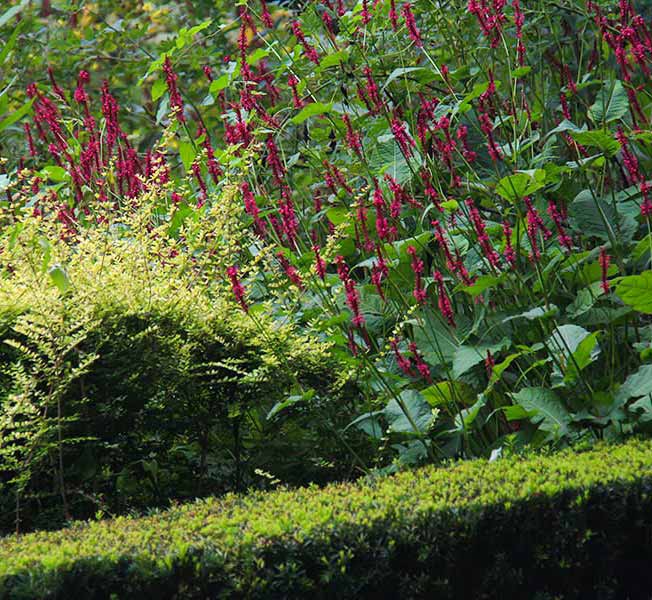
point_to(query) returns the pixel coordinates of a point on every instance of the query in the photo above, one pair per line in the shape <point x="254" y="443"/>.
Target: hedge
<point x="570" y="525"/>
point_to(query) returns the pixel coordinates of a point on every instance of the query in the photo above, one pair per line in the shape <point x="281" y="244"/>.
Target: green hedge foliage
<point x="563" y="526"/>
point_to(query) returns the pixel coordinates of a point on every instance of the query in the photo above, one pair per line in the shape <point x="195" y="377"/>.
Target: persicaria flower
<point x="30" y="139"/>
<point x="562" y="236"/>
<point x="418" y="267"/>
<point x="366" y="17"/>
<point x="478" y="224"/>
<point x="508" y="252"/>
<point x="401" y="136"/>
<point x="534" y="225"/>
<point x="393" y="16"/>
<point x="320" y="263"/>
<point x="422" y="367"/>
<point x="308" y="50"/>
<point x="402" y="361"/>
<point x="443" y="301"/>
<point x="236" y="286"/>
<point x="80" y="93"/>
<point x="489" y="363"/>
<point x="297" y="101"/>
<point x="265" y="16"/>
<point x="176" y="102"/>
<point x="290" y="270"/>
<point x="605" y="259"/>
<point x="352" y="296"/>
<point x="353" y="138"/>
<point x="411" y="24"/>
<point x="251" y="208"/>
<point x="371" y="95"/>
<point x="379" y="271"/>
<point x="274" y="161"/>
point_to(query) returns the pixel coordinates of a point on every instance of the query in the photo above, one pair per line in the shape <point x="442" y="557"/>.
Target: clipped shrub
<point x="572" y="525"/>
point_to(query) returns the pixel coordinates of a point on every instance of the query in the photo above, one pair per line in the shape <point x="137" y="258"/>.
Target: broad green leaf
<point x="12" y="12"/>
<point x="435" y="339"/>
<point x="396" y="73"/>
<point x="636" y="291"/>
<point x="610" y="104"/>
<point x="414" y="405"/>
<point x="60" y="278"/>
<point x="597" y="217"/>
<point x="16" y="115"/>
<point x="587" y="351"/>
<point x="482" y="284"/>
<point x="521" y="184"/>
<point x="387" y="158"/>
<point x="597" y="139"/>
<point x="545" y="409"/>
<point x="636" y="385"/>
<point x="158" y="89"/>
<point x="311" y="110"/>
<point x="332" y="60"/>
<point x="449" y="394"/>
<point x="55" y="173"/>
<point x="187" y="153"/>
<point x="219" y="84"/>
<point x="565" y="339"/>
<point x="466" y="357"/>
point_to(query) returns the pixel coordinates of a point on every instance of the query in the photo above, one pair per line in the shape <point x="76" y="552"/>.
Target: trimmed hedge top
<point x="346" y="538"/>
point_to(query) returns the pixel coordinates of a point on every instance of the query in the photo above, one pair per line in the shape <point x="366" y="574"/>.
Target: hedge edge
<point x="558" y="526"/>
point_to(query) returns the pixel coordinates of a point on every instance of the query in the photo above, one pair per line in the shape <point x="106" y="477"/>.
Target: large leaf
<point x="545" y="409"/>
<point x="600" y="218"/>
<point x="466" y="357"/>
<point x="597" y="139"/>
<point x="636" y="291"/>
<point x="610" y="104"/>
<point x="311" y="110"/>
<point x="565" y="340"/>
<point x="636" y="385"/>
<point x="435" y="339"/>
<point x="586" y="353"/>
<point x="413" y="404"/>
<point x="387" y="158"/>
<point x="523" y="183"/>
<point x="449" y="393"/>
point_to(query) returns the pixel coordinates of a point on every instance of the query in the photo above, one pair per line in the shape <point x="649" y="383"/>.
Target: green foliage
<point x="129" y="386"/>
<point x="551" y="527"/>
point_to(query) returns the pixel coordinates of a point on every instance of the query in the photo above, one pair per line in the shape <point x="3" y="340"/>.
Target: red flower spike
<point x="236" y="286"/>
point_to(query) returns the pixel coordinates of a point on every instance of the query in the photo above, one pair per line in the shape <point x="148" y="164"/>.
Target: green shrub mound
<point x="564" y="526"/>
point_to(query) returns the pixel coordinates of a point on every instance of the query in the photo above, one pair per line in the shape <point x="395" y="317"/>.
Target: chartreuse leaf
<point x="636" y="291"/>
<point x="158" y="89"/>
<point x="187" y="153"/>
<point x="60" y="278"/>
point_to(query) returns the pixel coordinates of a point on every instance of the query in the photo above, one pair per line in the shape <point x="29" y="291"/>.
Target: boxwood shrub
<point x="571" y="525"/>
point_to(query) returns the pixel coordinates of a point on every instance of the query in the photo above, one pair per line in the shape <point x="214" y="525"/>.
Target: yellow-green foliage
<point x="555" y="524"/>
<point x="128" y="361"/>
